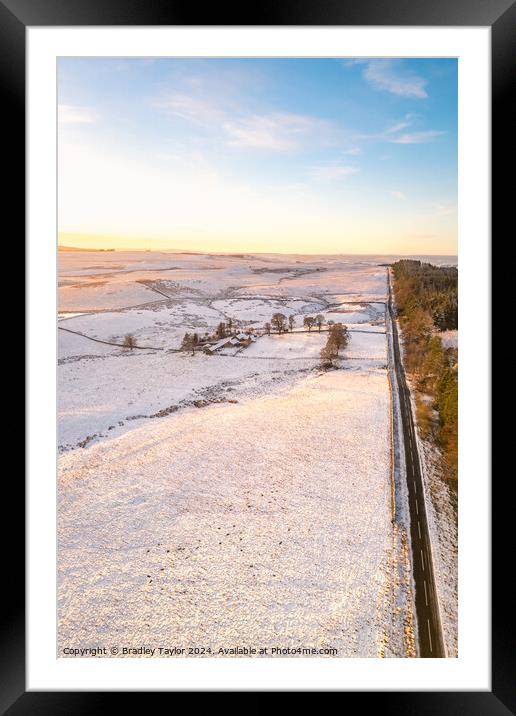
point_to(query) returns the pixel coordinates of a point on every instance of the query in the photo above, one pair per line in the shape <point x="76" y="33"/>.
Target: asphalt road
<point x="427" y="611"/>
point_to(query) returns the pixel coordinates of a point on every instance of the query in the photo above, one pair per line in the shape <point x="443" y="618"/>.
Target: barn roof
<point x="220" y="344"/>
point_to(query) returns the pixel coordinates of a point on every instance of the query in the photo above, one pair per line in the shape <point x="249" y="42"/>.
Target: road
<point x="431" y="643"/>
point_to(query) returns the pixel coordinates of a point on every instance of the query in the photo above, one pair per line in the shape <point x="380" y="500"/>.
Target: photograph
<point x="257" y="361"/>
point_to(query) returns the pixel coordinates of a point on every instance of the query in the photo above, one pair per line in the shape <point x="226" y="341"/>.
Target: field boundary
<point x="109" y="343"/>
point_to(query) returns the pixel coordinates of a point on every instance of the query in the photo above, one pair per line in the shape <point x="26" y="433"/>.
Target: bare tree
<point x="291" y="322"/>
<point x="279" y="322"/>
<point x="319" y="319"/>
<point x="221" y="330"/>
<point x="268" y="328"/>
<point x="129" y="341"/>
<point x="309" y="322"/>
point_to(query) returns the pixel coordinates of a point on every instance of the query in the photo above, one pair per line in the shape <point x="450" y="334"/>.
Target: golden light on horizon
<point x="107" y="200"/>
<point x="375" y="246"/>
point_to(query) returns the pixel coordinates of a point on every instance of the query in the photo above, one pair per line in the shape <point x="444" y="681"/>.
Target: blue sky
<point x="303" y="155"/>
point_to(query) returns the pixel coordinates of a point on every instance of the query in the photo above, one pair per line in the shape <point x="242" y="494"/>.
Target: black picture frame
<point x="500" y="15"/>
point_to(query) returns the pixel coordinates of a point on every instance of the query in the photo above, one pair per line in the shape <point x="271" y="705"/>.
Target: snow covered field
<point x="217" y="501"/>
<point x="278" y="538"/>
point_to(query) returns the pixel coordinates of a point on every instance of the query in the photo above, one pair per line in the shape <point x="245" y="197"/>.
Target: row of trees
<point x="419" y="289"/>
<point x="281" y="324"/>
<point x="225" y="328"/>
<point x="278" y="323"/>
<point x="311" y="321"/>
<point x="338" y="337"/>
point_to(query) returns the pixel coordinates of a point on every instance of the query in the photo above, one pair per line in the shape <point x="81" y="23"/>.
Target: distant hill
<point x="74" y="248"/>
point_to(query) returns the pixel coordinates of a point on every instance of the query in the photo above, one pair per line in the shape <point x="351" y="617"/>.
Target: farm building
<point x="245" y="338"/>
<point x="214" y="347"/>
<point x="241" y="340"/>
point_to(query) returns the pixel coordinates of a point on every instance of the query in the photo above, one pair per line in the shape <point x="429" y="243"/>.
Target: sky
<point x="258" y="155"/>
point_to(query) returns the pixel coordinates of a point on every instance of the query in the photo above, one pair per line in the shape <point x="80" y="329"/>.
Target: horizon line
<point x="244" y="253"/>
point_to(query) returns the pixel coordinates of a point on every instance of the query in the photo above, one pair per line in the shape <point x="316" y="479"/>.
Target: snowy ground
<point x="218" y="501"/>
<point x="277" y="539"/>
<point x="441" y="503"/>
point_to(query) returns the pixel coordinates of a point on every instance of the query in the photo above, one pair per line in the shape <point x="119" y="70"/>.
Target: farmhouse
<point x="241" y="340"/>
<point x="245" y="338"/>
<point x="214" y="347"/>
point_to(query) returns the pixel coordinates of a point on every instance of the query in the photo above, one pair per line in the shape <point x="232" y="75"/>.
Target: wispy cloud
<point x="416" y="137"/>
<point x="268" y="130"/>
<point x="67" y="114"/>
<point x="403" y="124"/>
<point x="444" y="209"/>
<point x="395" y="135"/>
<point x="190" y="108"/>
<point x="399" y="195"/>
<point x="331" y="172"/>
<point x="275" y="131"/>
<point x="280" y="132"/>
<point x="390" y="76"/>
